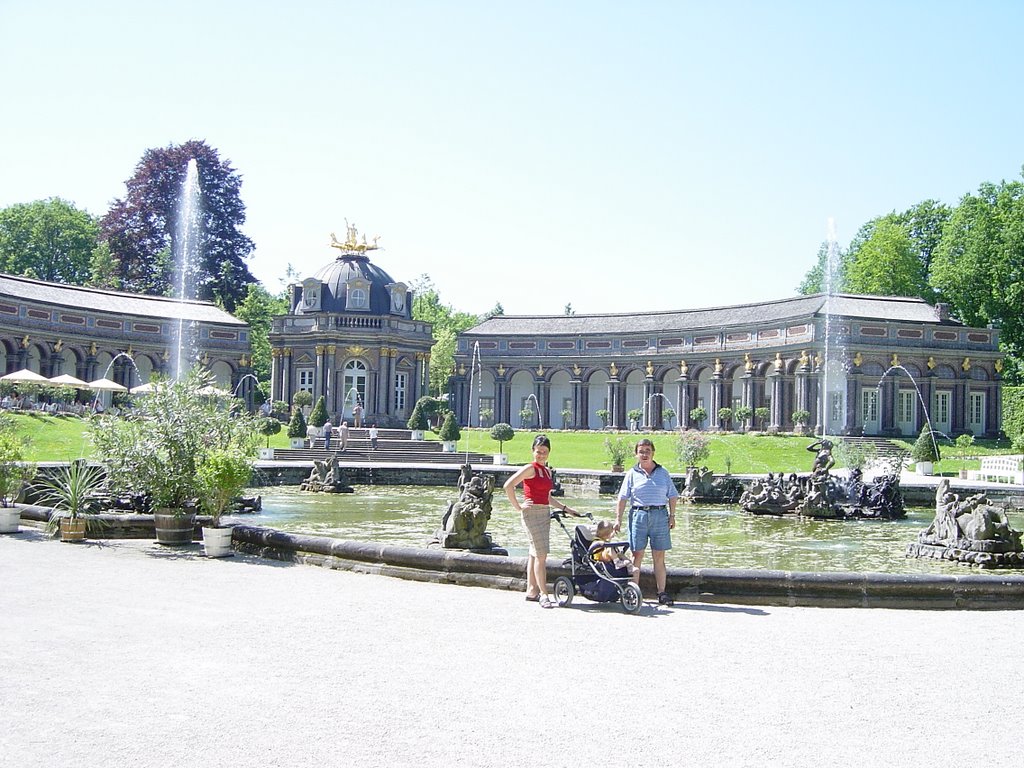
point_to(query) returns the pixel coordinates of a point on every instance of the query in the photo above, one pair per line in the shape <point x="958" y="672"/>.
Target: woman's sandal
<point x="545" y="602"/>
<point x="533" y="598"/>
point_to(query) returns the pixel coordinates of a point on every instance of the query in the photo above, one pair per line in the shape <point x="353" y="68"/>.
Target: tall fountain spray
<point x="831" y="269"/>
<point x="187" y="245"/>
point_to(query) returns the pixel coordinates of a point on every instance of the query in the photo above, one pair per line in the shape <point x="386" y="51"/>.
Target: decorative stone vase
<point x="266" y="453"/>
<point x="9" y="519"/>
<point x="72" y="530"/>
<point x="925" y="468"/>
<point x="448" y="446"/>
<point x="501" y="458"/>
<point x="173" y="530"/>
<point x="417" y="434"/>
<point x="297" y="442"/>
<point x="217" y="541"/>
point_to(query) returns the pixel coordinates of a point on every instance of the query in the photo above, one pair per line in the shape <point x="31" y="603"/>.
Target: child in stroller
<point x="600" y="570"/>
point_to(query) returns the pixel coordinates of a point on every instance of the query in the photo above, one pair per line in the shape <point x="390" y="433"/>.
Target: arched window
<point x="357" y="299"/>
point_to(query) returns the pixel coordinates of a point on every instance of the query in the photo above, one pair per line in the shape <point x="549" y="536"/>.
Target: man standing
<point x="373" y="437"/>
<point x="328" y="429"/>
<point x="652" y="496"/>
<point x="343" y="436"/>
<point x="357" y="415"/>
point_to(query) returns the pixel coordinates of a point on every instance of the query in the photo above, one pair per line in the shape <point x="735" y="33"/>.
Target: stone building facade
<point x="349" y="336"/>
<point x="858" y="364"/>
<point x="89" y="333"/>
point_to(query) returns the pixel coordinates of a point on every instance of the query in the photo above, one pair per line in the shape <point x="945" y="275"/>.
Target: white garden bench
<point x="1002" y="469"/>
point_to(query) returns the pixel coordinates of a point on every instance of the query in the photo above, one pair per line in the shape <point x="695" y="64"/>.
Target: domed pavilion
<point x="349" y="336"/>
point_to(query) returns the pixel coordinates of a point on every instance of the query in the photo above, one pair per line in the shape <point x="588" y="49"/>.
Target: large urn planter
<point x="72" y="529"/>
<point x="173" y="529"/>
<point x="217" y="541"/>
<point x="501" y="458"/>
<point x="10" y="517"/>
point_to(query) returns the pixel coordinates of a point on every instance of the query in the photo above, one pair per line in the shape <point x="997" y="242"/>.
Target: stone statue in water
<point x="464" y="524"/>
<point x="327" y="476"/>
<point x="969" y="530"/>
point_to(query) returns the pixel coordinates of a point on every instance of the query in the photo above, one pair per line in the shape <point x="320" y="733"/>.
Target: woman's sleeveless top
<point x="538" y="488"/>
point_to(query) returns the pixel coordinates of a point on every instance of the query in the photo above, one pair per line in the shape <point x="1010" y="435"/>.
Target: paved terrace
<point x="123" y="653"/>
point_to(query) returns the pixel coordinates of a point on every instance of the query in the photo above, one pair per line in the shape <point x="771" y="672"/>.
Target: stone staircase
<point x="393" y="446"/>
<point x="883" y="446"/>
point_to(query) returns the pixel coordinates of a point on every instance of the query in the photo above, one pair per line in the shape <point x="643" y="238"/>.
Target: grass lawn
<point x="62" y="438"/>
<point x="53" y="438"/>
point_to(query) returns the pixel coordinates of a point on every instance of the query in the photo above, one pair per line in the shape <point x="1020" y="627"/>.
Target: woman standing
<point x="535" y="510"/>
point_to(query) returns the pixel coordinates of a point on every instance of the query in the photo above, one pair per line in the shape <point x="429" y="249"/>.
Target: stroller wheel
<point x="632" y="598"/>
<point x="564" y="591"/>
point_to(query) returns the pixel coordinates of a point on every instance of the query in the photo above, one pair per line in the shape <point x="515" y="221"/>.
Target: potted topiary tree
<point x="724" y="417"/>
<point x="502" y="432"/>
<point x="669" y="415"/>
<point x="418" y="422"/>
<point x="223" y="474"/>
<point x="800" y="419"/>
<point x="618" y="450"/>
<point x="297" y="429"/>
<point x="566" y="417"/>
<point x="486" y="415"/>
<point x="963" y="445"/>
<point x="925" y="451"/>
<point x="762" y="414"/>
<point x="449" y="433"/>
<point x="268" y="426"/>
<point x="526" y="417"/>
<point x="634" y="415"/>
<point x="303" y="399"/>
<point x="70" y="491"/>
<point x="604" y="415"/>
<point x="698" y="416"/>
<point x="319" y="415"/>
<point x="743" y="416"/>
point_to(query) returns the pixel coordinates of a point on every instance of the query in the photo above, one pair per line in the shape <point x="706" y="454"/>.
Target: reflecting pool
<point x="704" y="537"/>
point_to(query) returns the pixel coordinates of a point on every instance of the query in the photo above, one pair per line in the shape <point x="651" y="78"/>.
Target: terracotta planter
<point x="173" y="530"/>
<point x="9" y="519"/>
<point x="217" y="542"/>
<point x="72" y="530"/>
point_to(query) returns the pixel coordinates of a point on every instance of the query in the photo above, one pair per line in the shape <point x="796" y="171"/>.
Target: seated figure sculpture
<point x="464" y="523"/>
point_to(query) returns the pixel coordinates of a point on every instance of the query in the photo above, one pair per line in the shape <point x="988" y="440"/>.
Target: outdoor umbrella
<point x="143" y="389"/>
<point x="67" y="380"/>
<point x="212" y="390"/>
<point x="106" y="385"/>
<point x="25" y="375"/>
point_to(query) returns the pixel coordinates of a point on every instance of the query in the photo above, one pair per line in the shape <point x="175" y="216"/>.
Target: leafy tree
<point x="302" y="398"/>
<point x="140" y="228"/>
<point x="258" y="309"/>
<point x="885" y="263"/>
<point x="318" y="417"/>
<point x="725" y="416"/>
<point x="814" y="281"/>
<point x="268" y="426"/>
<point x="48" y="240"/>
<point x="762" y="414"/>
<point x="698" y="415"/>
<point x="692" y="447"/>
<point x="979" y="264"/>
<point x="923" y="223"/>
<point x="103" y="269"/>
<point x="418" y="418"/>
<point x="448" y="324"/>
<point x="497" y="310"/>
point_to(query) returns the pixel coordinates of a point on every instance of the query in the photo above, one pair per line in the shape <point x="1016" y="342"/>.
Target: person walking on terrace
<point x="343" y="436"/>
<point x="328" y="432"/>
<point x="535" y="512"/>
<point x="373" y="436"/>
<point x="651" y="495"/>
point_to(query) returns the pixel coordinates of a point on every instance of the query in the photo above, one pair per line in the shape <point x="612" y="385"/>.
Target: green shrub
<point x="319" y="415"/>
<point x="450" y="432"/>
<point x="618" y="450"/>
<point x="1013" y="412"/>
<point x="297" y="425"/>
<point x="698" y="415"/>
<point x="302" y="398"/>
<point x="692" y="447"/>
<point x="268" y="426"/>
<point x="801" y="417"/>
<point x="762" y="415"/>
<point x="925" y="448"/>
<point x="418" y="418"/>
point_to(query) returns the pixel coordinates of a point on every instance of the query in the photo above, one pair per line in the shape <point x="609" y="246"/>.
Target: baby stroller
<point x="595" y="579"/>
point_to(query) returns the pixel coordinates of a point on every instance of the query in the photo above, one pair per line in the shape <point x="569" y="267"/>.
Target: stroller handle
<point x="557" y="514"/>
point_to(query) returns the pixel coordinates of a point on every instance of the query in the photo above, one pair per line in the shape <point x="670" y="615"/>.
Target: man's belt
<point x="649" y="508"/>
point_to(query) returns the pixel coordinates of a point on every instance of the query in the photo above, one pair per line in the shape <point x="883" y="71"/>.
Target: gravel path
<point x="123" y="653"/>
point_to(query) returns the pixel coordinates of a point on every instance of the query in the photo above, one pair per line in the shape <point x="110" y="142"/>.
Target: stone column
<point x="887" y="406"/>
<point x="578" y="406"/>
<point x="683" y="400"/>
<point x="994" y="408"/>
<point x="286" y="371"/>
<point x="275" y="374"/>
<point x="318" y="375"/>
<point x="774" y="381"/>
<point x="613" y="402"/>
<point x="958" y="420"/>
<point x="330" y="387"/>
<point x="645" y="402"/>
<point x="853" y="387"/>
<point x="542" y="391"/>
<point x="385" y="379"/>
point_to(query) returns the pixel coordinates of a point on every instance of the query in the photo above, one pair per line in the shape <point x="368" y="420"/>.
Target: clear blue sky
<point x="620" y="156"/>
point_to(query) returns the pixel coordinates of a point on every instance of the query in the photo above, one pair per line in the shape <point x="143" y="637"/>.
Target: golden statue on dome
<point x="352" y="245"/>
